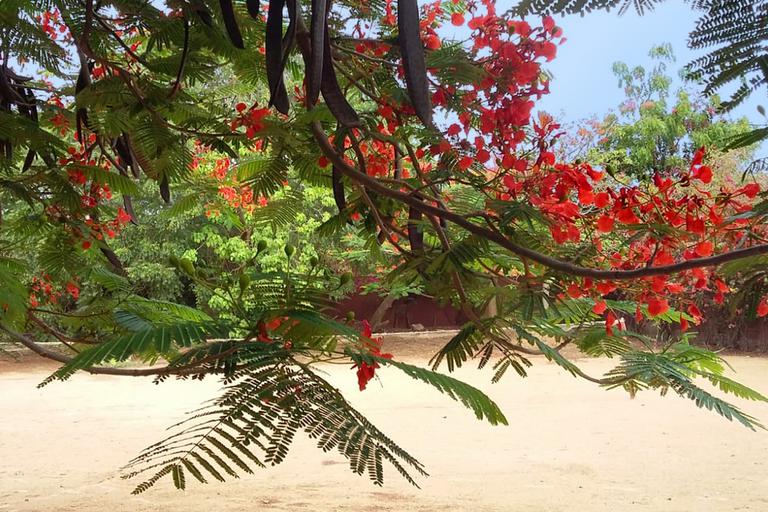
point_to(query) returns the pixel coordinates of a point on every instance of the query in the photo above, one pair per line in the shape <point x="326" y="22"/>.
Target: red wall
<point x="404" y="313"/>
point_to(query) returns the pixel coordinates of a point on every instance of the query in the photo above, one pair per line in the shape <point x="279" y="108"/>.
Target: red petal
<point x="762" y="308"/>
<point x="605" y="224"/>
<point x="599" y="307"/>
<point x="704" y="248"/>
<point x="657" y="307"/>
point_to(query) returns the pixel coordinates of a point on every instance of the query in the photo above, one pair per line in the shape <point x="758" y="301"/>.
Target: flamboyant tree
<point x="433" y="155"/>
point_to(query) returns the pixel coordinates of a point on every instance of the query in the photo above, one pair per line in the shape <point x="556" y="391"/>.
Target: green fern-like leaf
<point x="640" y="370"/>
<point x="255" y="421"/>
<point x="473" y="398"/>
<point x="163" y="327"/>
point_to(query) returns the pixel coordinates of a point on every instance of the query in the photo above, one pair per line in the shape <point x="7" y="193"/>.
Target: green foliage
<point x="274" y="398"/>
<point x="737" y="30"/>
<point x="12" y="291"/>
<point x="472" y="398"/>
<point x="675" y="370"/>
<point x="153" y="328"/>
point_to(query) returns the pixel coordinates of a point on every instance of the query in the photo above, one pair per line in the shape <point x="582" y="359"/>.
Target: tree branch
<point x="543" y="259"/>
<point x="96" y="370"/>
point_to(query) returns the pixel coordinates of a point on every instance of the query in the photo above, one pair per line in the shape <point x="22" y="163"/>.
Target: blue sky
<point x="583" y="83"/>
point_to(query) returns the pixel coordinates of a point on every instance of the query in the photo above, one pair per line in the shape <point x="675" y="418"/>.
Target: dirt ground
<point x="569" y="446"/>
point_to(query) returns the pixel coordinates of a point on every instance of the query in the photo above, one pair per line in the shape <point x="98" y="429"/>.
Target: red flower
<point x="762" y="308"/>
<point x="573" y="291"/>
<point x="599" y="307"/>
<point x="365" y="371"/>
<point x="695" y="312"/>
<point x="657" y="307"/>
<point x="605" y="224"/>
<point x="123" y="217"/>
<point x="627" y="216"/>
<point x="703" y="173"/>
<point x="432" y="42"/>
<point x="704" y="248"/>
<point x="548" y="23"/>
<point x="547" y="50"/>
<point x="275" y="323"/>
<point x="457" y="19"/>
<point x="465" y="163"/>
<point x="751" y="190"/>
<point x="605" y="287"/>
<point x="602" y="199"/>
<point x="610" y="320"/>
<point x="698" y="156"/>
<point x="73" y="290"/>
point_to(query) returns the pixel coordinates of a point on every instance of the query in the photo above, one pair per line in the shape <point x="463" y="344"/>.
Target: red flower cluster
<point x="272" y="325"/>
<point x="53" y="25"/>
<point x="43" y="291"/>
<point x="241" y="197"/>
<point x="365" y="371"/>
<point x="251" y="118"/>
<point x="696" y="223"/>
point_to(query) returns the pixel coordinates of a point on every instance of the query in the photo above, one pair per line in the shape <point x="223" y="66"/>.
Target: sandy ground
<point x="570" y="446"/>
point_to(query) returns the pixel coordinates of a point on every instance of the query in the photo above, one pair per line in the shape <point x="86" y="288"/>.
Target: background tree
<point x="733" y="31"/>
<point x="658" y="127"/>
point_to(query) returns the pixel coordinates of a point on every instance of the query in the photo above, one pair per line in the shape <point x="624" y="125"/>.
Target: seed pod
<point x="205" y="15"/>
<point x="124" y="151"/>
<point x="30" y="112"/>
<point x="338" y="189"/>
<point x="187" y="266"/>
<point x="230" y="23"/>
<point x="313" y="261"/>
<point x="317" y="31"/>
<point x="345" y="278"/>
<point x="273" y="46"/>
<point x="114" y="260"/>
<point x="289" y="250"/>
<point x="261" y="246"/>
<point x="254" y="8"/>
<point x="245" y="282"/>
<point x="165" y="190"/>
<point x="332" y="93"/>
<point x="289" y="39"/>
<point x="414" y="63"/>
<point x="173" y="260"/>
<point x="81" y="115"/>
<point x="30" y="158"/>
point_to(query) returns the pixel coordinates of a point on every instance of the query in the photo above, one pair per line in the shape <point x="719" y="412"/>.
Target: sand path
<point x="570" y="446"/>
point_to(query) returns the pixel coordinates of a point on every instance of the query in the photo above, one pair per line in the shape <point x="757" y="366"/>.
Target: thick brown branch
<point x="96" y="370"/>
<point x="543" y="259"/>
